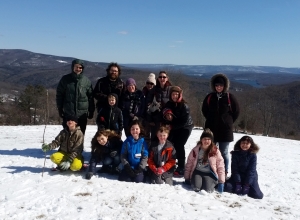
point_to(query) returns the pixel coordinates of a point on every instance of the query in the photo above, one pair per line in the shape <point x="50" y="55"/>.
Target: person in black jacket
<point x="110" y="117"/>
<point x="133" y="104"/>
<point x="106" y="148"/>
<point x="177" y="113"/>
<point x="221" y="109"/>
<point x="111" y="83"/>
<point x="244" y="177"/>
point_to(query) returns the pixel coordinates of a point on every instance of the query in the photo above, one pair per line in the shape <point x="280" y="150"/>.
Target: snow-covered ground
<point x="25" y="194"/>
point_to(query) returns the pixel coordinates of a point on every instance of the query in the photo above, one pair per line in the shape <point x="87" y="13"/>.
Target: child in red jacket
<point x="162" y="158"/>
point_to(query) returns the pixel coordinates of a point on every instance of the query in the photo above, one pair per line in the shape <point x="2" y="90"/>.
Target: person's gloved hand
<point x="65" y="165"/>
<point x="160" y="170"/>
<point x="113" y="153"/>
<point x="138" y="170"/>
<point x="90" y="115"/>
<point x="238" y="188"/>
<point x="89" y="175"/>
<point x="129" y="170"/>
<point x="221" y="187"/>
<point x="61" y="112"/>
<point x="245" y="190"/>
<point x="45" y="147"/>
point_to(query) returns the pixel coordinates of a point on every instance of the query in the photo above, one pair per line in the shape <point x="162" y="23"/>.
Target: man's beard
<point x="113" y="76"/>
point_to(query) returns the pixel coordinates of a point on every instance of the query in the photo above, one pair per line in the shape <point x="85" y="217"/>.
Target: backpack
<point x="228" y="98"/>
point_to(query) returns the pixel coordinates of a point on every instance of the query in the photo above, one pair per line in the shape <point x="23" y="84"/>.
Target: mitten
<point x="238" y="188"/>
<point x="89" y="175"/>
<point x="61" y="112"/>
<point x="65" y="165"/>
<point x="45" y="147"/>
<point x="90" y="115"/>
<point x="221" y="187"/>
<point x="113" y="153"/>
<point x="129" y="170"/>
<point x="187" y="182"/>
<point x="245" y="190"/>
<point x="160" y="170"/>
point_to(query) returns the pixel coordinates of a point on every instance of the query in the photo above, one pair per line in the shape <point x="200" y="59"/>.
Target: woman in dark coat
<point x="177" y="113"/>
<point x="244" y="177"/>
<point x="220" y="109"/>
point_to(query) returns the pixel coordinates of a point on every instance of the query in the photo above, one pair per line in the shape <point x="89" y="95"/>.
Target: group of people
<point x="157" y="124"/>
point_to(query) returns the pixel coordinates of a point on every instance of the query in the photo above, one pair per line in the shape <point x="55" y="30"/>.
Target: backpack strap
<point x="208" y="98"/>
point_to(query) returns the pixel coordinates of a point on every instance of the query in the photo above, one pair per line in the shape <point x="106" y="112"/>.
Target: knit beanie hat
<point x="130" y="81"/>
<point x="167" y="111"/>
<point x="151" y="78"/>
<point x="72" y="118"/>
<point x="207" y="134"/>
<point x="219" y="80"/>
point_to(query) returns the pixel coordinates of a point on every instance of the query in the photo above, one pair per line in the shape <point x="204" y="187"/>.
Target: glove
<point x="45" y="147"/>
<point x="221" y="187"/>
<point x="90" y="115"/>
<point x="61" y="112"/>
<point x="129" y="170"/>
<point x="138" y="170"/>
<point x="245" y="190"/>
<point x="89" y="175"/>
<point x="113" y="153"/>
<point x="160" y="170"/>
<point x="65" y="165"/>
<point x="238" y="188"/>
<point x="187" y="182"/>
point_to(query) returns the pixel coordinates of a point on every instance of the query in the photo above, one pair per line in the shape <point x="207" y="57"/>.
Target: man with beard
<point x="111" y="83"/>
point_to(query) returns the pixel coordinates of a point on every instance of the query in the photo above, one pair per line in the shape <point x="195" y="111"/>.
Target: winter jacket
<point x="182" y="117"/>
<point x="165" y="159"/>
<point x="110" y="117"/>
<point x="135" y="152"/>
<point x="215" y="161"/>
<point x="161" y="94"/>
<point x="104" y="87"/>
<point x="220" y="113"/>
<point x="69" y="142"/>
<point x="74" y="95"/>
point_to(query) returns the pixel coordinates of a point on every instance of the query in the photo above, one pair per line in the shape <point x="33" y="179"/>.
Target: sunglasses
<point x="150" y="83"/>
<point x="162" y="77"/>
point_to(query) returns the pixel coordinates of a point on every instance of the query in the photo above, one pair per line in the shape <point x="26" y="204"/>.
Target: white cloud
<point x="123" y="32"/>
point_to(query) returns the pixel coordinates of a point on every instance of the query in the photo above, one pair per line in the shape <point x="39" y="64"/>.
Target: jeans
<point x="115" y="161"/>
<point x="223" y="147"/>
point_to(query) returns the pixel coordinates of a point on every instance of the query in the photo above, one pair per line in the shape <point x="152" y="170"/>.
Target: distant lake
<point x="249" y="82"/>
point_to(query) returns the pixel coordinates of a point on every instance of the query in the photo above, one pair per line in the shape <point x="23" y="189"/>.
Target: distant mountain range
<point x="23" y="67"/>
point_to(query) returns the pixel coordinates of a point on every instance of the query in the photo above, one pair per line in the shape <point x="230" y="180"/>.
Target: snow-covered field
<point x="25" y="194"/>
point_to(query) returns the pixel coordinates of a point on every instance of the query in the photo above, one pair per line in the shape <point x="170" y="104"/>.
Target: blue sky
<point x="191" y="32"/>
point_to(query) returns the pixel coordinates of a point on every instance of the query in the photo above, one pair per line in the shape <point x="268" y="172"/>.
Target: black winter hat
<point x="219" y="80"/>
<point x="207" y="133"/>
<point x="72" y="118"/>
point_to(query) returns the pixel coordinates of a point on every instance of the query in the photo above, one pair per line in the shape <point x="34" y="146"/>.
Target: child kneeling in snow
<point x="134" y="155"/>
<point x="106" y="147"/>
<point x="205" y="165"/>
<point x="70" y="143"/>
<point x="162" y="159"/>
<point x="244" y="178"/>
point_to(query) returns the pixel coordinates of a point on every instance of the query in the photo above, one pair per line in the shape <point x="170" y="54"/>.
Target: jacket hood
<point x="77" y="61"/>
<point x="226" y="82"/>
<point x="116" y="97"/>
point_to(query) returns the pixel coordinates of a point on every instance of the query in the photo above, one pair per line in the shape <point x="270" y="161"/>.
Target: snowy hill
<point x="25" y="194"/>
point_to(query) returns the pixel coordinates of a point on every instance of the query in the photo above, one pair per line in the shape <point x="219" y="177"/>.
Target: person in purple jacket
<point x="244" y="177"/>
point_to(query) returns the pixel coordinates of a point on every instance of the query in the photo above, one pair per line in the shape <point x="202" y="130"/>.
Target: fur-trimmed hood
<point x="226" y="80"/>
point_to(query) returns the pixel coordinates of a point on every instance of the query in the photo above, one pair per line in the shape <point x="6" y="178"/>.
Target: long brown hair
<point x="107" y="133"/>
<point x="253" y="147"/>
<point x="212" y="149"/>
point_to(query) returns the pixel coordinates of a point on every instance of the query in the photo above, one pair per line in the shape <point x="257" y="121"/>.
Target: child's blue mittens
<point x="238" y="189"/>
<point x="221" y="187"/>
<point x="245" y="190"/>
<point x="45" y="147"/>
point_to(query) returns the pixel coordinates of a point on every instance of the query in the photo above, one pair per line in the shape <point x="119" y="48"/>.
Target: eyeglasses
<point x="150" y="83"/>
<point x="162" y="77"/>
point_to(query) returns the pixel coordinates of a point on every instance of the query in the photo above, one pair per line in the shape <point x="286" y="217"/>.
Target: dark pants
<point x="125" y="177"/>
<point x="82" y="121"/>
<point x="254" y="191"/>
<point x="205" y="181"/>
<point x="160" y="179"/>
<point x="179" y="138"/>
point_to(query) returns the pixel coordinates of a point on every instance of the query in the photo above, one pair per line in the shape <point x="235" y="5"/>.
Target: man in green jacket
<point x="74" y="96"/>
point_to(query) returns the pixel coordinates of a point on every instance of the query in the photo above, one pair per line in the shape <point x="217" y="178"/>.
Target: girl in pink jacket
<point x="205" y="165"/>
